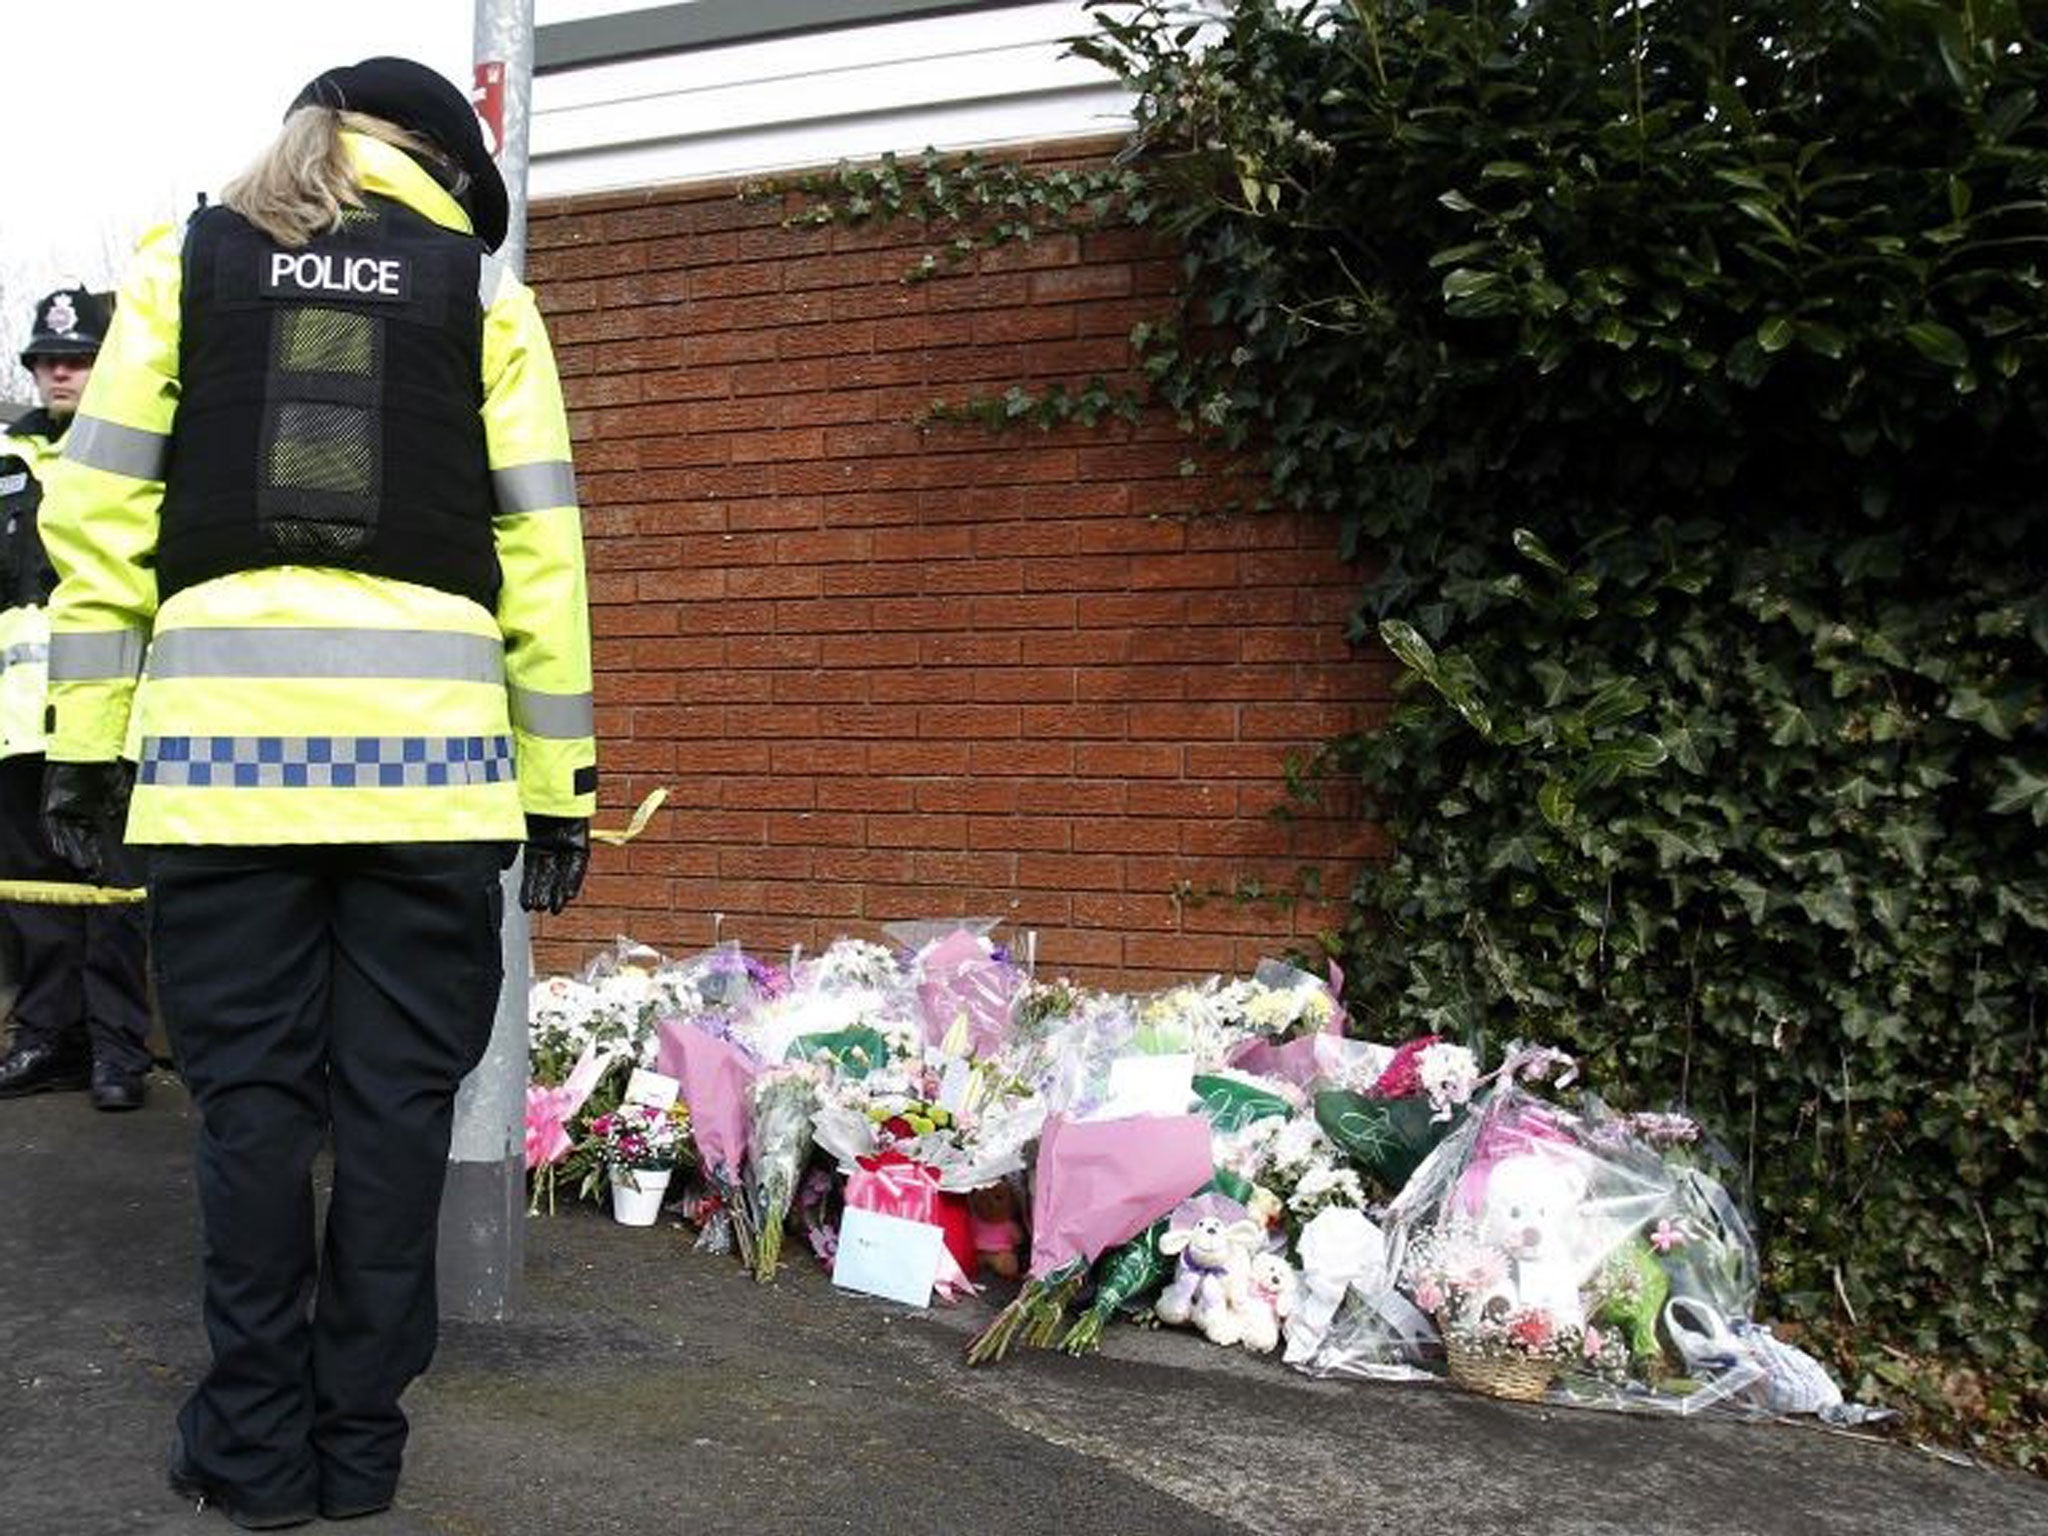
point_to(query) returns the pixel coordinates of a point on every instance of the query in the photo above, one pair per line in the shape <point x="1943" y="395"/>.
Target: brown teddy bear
<point x="998" y="1231"/>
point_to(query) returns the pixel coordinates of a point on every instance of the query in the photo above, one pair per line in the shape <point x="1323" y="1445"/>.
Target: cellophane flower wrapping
<point x="781" y="1103"/>
<point x="852" y="1003"/>
<point x="1069" y="1067"/>
<point x="1539" y="1233"/>
<point x="967" y="988"/>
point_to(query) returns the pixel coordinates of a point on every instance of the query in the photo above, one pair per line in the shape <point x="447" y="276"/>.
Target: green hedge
<point x="1677" y="371"/>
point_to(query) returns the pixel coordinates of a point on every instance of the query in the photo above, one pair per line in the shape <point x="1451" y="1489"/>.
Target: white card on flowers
<point x="887" y="1256"/>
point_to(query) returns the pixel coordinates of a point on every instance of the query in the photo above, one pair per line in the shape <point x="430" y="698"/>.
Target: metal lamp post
<point x="483" y="1212"/>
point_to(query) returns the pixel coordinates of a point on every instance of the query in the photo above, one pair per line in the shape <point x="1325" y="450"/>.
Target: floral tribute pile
<point x="1223" y="1156"/>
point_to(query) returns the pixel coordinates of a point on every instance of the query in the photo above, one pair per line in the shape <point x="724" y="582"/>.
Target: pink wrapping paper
<point x="1298" y="1062"/>
<point x="714" y="1074"/>
<point x="960" y="978"/>
<point x="1102" y="1182"/>
<point x="549" y="1110"/>
<point x="1301" y="1061"/>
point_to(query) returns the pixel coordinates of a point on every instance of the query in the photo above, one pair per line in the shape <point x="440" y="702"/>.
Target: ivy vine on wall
<point x="1676" y="372"/>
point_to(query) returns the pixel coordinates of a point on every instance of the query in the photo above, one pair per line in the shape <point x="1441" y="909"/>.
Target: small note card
<point x="652" y="1089"/>
<point x="887" y="1256"/>
<point x="1150" y="1085"/>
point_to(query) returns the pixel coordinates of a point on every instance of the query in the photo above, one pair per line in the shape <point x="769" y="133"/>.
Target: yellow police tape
<point x="55" y="893"/>
<point x="634" y="827"/>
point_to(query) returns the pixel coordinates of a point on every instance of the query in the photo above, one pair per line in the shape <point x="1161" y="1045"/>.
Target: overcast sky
<point x="115" y="113"/>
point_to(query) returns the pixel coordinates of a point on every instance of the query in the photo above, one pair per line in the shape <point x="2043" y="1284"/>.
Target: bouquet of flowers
<point x="966" y="984"/>
<point x="851" y="1004"/>
<point x="715" y="1072"/>
<point x="1389" y="1123"/>
<point x="1194" y="1019"/>
<point x="1096" y="1185"/>
<point x="584" y="1036"/>
<point x="1281" y="1003"/>
<point x="969" y="1121"/>
<point x="641" y="1138"/>
<point x="851" y="965"/>
<point x="781" y="1100"/>
<point x="1289" y="1024"/>
<point x="551" y="1150"/>
<point x="613" y="1006"/>
<point x="1299" y="1169"/>
<point x="1494" y="1341"/>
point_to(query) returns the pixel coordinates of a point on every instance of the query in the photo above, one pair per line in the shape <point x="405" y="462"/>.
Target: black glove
<point x="557" y="855"/>
<point x="84" y="805"/>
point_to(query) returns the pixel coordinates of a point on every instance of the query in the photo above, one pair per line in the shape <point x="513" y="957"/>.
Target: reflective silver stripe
<point x="410" y="653"/>
<point x="490" y="273"/>
<point x="119" y="450"/>
<point x="560" y="716"/>
<point x="534" y="487"/>
<point x="98" y="658"/>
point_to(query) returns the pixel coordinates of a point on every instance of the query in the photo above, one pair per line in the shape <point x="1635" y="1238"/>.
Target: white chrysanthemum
<point x="1298" y="1141"/>
<point x="1325" y="1185"/>
<point x="1448" y="1073"/>
<point x="851" y="963"/>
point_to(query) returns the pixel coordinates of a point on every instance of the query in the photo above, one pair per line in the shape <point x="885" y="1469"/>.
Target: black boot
<point x="187" y="1483"/>
<point x="42" y="1067"/>
<point x="117" y="1088"/>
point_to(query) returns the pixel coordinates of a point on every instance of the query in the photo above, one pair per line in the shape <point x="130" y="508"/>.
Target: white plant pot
<point x="637" y="1194"/>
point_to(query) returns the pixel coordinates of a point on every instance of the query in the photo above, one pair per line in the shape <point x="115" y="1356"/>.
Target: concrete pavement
<point x="644" y="1387"/>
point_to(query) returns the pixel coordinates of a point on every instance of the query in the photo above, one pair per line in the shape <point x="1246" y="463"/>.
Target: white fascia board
<point x="1089" y="112"/>
<point x="959" y="81"/>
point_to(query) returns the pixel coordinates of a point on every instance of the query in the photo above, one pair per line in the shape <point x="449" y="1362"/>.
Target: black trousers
<point x="83" y="984"/>
<point x="334" y="991"/>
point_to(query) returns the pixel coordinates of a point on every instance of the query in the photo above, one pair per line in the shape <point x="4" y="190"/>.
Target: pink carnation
<point x="1403" y="1077"/>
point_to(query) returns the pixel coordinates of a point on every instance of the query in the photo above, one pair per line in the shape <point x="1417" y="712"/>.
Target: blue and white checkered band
<point x="325" y="762"/>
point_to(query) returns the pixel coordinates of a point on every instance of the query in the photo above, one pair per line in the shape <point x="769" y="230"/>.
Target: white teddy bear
<point x="1530" y="1210"/>
<point x="1269" y="1299"/>
<point x="1210" y="1282"/>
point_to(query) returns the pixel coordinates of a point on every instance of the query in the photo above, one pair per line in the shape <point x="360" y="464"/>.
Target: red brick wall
<point x="888" y="672"/>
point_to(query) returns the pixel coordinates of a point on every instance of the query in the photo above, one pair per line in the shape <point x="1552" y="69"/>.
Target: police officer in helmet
<point x="81" y="1013"/>
<point x="320" y="550"/>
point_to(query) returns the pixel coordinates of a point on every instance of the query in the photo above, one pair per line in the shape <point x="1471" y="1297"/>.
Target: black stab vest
<point x="26" y="576"/>
<point x="330" y="405"/>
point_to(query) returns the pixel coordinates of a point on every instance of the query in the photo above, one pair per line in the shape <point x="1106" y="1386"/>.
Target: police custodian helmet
<point x="69" y="323"/>
<point x="413" y="96"/>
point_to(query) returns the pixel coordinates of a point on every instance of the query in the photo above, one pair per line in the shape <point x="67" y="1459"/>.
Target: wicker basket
<point x="1502" y="1374"/>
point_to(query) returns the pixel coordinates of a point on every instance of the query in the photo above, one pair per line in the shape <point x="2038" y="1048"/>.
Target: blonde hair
<point x="299" y="186"/>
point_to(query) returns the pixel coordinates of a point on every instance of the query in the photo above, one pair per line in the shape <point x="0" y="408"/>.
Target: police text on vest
<point x="297" y="273"/>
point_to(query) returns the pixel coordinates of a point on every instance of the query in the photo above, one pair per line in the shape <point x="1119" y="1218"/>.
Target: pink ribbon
<point x="549" y="1110"/>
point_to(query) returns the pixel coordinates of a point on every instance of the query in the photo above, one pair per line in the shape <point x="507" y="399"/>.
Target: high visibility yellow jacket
<point x="24" y="627"/>
<point x="299" y="704"/>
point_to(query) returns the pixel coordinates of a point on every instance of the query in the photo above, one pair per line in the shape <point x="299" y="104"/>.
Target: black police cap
<point x="415" y="97"/>
<point x="72" y="322"/>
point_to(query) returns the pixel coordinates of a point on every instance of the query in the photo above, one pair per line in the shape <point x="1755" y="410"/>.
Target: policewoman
<point x="81" y="1008"/>
<point x="321" y="561"/>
